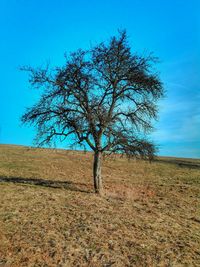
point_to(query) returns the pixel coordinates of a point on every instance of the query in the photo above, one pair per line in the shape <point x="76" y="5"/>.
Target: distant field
<point x="49" y="215"/>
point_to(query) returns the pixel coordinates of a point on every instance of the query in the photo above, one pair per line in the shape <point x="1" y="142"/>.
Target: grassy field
<point x="49" y="215"/>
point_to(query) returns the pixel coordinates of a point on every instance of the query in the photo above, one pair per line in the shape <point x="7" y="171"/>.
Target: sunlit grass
<point x="49" y="215"/>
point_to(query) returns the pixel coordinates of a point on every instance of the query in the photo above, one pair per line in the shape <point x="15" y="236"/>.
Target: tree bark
<point x="98" y="186"/>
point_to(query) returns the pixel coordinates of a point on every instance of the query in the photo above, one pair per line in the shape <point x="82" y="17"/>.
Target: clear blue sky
<point x="36" y="31"/>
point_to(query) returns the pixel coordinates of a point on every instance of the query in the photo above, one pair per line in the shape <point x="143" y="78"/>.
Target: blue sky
<point x="34" y="32"/>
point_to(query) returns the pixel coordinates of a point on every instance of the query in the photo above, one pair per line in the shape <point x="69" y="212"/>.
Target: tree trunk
<point x="97" y="173"/>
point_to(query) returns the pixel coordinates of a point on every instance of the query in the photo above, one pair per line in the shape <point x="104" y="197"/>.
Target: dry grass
<point x="49" y="216"/>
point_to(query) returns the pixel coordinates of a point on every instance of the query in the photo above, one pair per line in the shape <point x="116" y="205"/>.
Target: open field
<point x="49" y="215"/>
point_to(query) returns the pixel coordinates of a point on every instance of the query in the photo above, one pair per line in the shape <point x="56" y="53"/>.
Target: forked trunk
<point x="97" y="173"/>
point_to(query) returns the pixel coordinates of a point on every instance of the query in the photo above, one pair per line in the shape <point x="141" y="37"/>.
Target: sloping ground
<point x="189" y="163"/>
<point x="150" y="215"/>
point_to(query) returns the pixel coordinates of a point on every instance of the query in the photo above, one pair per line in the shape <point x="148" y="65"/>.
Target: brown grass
<point x="49" y="215"/>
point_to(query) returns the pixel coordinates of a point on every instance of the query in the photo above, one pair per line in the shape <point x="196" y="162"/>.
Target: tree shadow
<point x="68" y="185"/>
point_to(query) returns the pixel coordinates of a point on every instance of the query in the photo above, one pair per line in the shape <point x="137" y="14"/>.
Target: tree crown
<point x="104" y="97"/>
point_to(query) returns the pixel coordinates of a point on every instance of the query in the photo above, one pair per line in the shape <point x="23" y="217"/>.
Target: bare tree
<point x="104" y="98"/>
